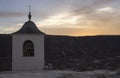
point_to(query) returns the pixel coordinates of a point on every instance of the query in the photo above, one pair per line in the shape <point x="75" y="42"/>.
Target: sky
<point x="62" y="17"/>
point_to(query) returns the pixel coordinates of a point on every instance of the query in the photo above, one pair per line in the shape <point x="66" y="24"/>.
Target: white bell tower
<point x="28" y="47"/>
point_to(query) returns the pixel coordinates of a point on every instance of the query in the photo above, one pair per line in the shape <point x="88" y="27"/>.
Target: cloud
<point x="63" y="18"/>
<point x="106" y="9"/>
<point x="63" y="31"/>
<point x="105" y="15"/>
<point x="102" y="21"/>
<point x="78" y="31"/>
<point x="5" y="14"/>
<point x="77" y="17"/>
<point x="9" y="29"/>
<point x="88" y="7"/>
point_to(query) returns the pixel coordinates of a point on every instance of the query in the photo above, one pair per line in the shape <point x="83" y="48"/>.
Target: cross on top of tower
<point x="29" y="16"/>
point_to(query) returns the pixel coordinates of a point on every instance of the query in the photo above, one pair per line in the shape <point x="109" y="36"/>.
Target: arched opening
<point x="28" y="48"/>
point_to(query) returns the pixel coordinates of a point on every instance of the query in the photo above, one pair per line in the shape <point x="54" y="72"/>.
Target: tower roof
<point x="29" y="27"/>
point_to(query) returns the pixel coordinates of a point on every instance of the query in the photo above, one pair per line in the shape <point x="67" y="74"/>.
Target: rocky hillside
<point x="67" y="52"/>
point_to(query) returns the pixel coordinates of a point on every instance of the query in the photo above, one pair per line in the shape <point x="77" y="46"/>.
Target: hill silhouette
<point x="66" y="51"/>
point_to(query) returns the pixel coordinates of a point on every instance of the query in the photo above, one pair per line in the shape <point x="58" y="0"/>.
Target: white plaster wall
<point x="35" y="62"/>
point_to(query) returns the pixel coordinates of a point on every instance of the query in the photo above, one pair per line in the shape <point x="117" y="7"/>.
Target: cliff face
<point x="65" y="49"/>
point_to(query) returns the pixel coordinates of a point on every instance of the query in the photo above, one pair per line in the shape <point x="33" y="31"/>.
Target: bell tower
<point x="28" y="47"/>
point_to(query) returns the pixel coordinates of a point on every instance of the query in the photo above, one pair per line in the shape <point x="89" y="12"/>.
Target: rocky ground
<point x="60" y="74"/>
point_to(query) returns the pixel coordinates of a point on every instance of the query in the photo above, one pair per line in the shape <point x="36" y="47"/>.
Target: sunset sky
<point x="63" y="17"/>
